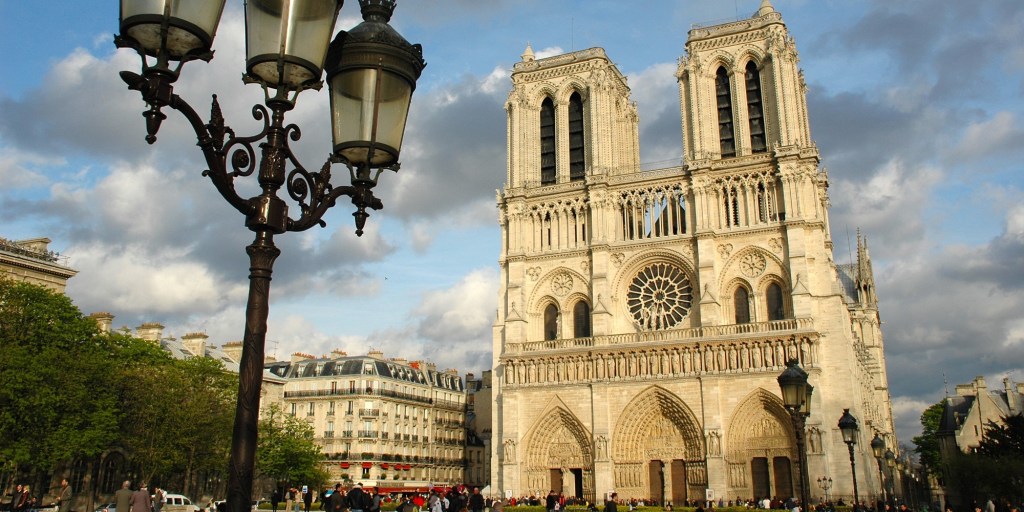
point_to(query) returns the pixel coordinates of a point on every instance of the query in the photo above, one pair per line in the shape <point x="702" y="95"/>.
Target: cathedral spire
<point x="765" y="8"/>
<point x="528" y="53"/>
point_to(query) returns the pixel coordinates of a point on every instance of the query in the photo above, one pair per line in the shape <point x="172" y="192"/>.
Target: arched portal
<point x="761" y="451"/>
<point x="658" y="449"/>
<point x="559" y="455"/>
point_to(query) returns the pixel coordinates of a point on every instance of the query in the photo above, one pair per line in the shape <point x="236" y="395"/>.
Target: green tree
<point x="286" y="451"/>
<point x="1004" y="440"/>
<point x="928" y="442"/>
<point x="178" y="416"/>
<point x="54" y="381"/>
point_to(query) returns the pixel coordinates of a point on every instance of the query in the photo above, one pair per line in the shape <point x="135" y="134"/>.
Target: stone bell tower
<point x="644" y="314"/>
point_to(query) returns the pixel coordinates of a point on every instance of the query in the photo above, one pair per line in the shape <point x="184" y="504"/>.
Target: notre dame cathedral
<point x="645" y="314"/>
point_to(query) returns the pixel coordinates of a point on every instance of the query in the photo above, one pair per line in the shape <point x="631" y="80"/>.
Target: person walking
<point x="140" y="500"/>
<point x="15" y="498"/>
<point x="123" y="497"/>
<point x="64" y="497"/>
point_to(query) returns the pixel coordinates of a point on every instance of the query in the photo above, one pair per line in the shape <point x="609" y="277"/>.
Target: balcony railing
<point x="369" y="412"/>
<point x="368" y="433"/>
<point x="328" y="434"/>
<point x="669" y="335"/>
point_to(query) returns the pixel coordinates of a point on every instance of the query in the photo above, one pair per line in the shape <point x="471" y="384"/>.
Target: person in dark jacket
<point x="123" y="497"/>
<point x="610" y="505"/>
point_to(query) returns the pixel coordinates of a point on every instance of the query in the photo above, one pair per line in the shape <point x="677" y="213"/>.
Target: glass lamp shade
<point x="878" y="446"/>
<point x="793" y="383"/>
<point x="805" y="407"/>
<point x="890" y="458"/>
<point x="191" y="25"/>
<point x="848" y="426"/>
<point x="372" y="72"/>
<point x="286" y="40"/>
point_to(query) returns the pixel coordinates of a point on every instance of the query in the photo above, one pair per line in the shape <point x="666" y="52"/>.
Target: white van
<point x="178" y="503"/>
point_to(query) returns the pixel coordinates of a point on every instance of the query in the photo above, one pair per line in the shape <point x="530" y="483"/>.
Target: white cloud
<point x="1000" y="133"/>
<point x="21" y="170"/>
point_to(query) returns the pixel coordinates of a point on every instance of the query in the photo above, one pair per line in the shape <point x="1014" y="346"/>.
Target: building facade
<point x="381" y="422"/>
<point x="965" y="416"/>
<point x="479" y="398"/>
<point x="645" y="314"/>
<point x="32" y="261"/>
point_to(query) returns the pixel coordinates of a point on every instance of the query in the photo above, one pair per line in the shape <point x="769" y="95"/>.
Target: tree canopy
<point x="928" y="442"/>
<point x="286" y="451"/>
<point x="71" y="393"/>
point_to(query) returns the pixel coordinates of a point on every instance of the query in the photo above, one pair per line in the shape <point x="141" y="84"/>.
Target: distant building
<point x="32" y="261"/>
<point x="381" y="422"/>
<point x="965" y="416"/>
<point x="478" y="429"/>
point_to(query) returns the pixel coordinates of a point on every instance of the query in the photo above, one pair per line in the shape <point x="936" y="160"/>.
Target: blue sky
<point x="916" y="107"/>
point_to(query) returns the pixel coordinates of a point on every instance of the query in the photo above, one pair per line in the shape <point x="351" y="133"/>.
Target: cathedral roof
<point x="847" y="273"/>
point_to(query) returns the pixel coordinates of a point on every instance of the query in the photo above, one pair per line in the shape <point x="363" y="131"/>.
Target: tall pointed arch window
<point x="776" y="308"/>
<point x="723" y="93"/>
<point x="551" y="322"/>
<point x="547" y="142"/>
<point x="577" y="149"/>
<point x="581" y="320"/>
<point x="755" y="109"/>
<point x="741" y="303"/>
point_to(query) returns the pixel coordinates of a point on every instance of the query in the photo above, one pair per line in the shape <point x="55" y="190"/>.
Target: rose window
<point x="659" y="296"/>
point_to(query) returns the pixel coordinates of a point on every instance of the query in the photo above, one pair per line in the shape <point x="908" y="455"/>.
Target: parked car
<point x="178" y="503"/>
<point x="214" y="505"/>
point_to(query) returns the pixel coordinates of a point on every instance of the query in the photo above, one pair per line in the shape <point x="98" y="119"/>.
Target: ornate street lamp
<point x="825" y="483"/>
<point x="850" y="430"/>
<point x="796" y="396"/>
<point x="878" y="449"/>
<point x="372" y="72"/>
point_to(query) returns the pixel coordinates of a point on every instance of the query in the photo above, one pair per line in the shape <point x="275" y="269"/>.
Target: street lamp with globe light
<point x="371" y="73"/>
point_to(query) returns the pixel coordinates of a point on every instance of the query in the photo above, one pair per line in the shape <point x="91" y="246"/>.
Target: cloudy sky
<point x="916" y="106"/>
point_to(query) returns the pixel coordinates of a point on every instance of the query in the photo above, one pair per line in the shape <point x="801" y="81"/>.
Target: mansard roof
<point x="365" y="365"/>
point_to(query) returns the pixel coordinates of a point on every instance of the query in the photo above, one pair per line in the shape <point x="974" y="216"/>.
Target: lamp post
<point x="850" y="430"/>
<point x="825" y="483"/>
<point x="890" y="462"/>
<point x="878" y="449"/>
<point x="372" y="72"/>
<point x="796" y="396"/>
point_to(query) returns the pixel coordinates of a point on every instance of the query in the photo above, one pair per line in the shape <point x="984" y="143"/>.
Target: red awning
<point x="384" y="465"/>
<point x="344" y="465"/>
<point x="367" y="465"/>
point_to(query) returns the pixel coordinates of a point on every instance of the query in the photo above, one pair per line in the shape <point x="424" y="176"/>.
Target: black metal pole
<point x="262" y="253"/>
<point x="853" y="471"/>
<point x="798" y="425"/>
<point x="881" y="480"/>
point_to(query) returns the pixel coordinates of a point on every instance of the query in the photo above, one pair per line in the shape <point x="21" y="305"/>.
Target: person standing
<point x="336" y="503"/>
<point x="140" y="500"/>
<point x="275" y="499"/>
<point x="357" y="499"/>
<point x="123" y="497"/>
<point x="64" y="497"/>
<point x="289" y="499"/>
<point x="307" y="497"/>
<point x="476" y="501"/>
<point x="159" y="498"/>
<point x="610" y="505"/>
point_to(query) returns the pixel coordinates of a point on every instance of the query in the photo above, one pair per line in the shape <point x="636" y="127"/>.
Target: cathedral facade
<point x="645" y="314"/>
